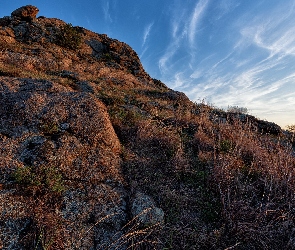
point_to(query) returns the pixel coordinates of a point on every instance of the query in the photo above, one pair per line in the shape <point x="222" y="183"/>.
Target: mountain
<point x="96" y="154"/>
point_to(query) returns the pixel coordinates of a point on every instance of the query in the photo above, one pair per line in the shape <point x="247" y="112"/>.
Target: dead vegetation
<point x="222" y="183"/>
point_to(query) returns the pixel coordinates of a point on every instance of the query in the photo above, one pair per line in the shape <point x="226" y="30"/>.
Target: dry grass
<point x="221" y="184"/>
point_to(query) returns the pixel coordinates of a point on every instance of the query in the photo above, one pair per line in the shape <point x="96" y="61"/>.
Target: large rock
<point x="25" y="13"/>
<point x="43" y="123"/>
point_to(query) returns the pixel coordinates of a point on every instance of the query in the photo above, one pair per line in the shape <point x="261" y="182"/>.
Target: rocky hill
<point x="96" y="154"/>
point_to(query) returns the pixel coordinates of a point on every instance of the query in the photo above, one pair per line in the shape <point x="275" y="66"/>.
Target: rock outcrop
<point x="25" y="13"/>
<point x="60" y="163"/>
<point x="50" y="35"/>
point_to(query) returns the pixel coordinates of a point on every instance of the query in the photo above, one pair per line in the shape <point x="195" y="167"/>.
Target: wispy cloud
<point x="196" y="17"/>
<point x="259" y="81"/>
<point x="170" y="52"/>
<point x="106" y="12"/>
<point x="285" y="45"/>
<point x="273" y="31"/>
<point x="146" y="33"/>
<point x="252" y="67"/>
<point x="226" y="6"/>
<point x="184" y="25"/>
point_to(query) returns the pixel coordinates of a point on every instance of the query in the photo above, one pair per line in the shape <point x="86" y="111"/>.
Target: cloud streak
<point x="106" y="12"/>
<point x="196" y="18"/>
<point x="183" y="32"/>
<point x="146" y="33"/>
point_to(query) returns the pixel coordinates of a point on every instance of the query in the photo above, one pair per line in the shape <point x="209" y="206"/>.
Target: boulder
<point x="25" y="13"/>
<point x="145" y="212"/>
<point x="68" y="136"/>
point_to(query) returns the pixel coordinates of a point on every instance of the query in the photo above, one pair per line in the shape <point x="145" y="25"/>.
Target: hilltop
<point x="96" y="154"/>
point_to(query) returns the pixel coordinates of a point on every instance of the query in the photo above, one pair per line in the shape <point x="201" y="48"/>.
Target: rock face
<point x="25" y="13"/>
<point x="44" y="124"/>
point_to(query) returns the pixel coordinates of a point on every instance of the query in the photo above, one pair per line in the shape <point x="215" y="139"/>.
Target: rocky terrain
<point x="96" y="154"/>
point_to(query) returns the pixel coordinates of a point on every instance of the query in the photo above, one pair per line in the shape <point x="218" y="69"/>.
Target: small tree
<point x="69" y="37"/>
<point x="291" y="129"/>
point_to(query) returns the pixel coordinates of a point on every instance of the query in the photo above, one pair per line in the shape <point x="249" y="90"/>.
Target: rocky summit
<point x="96" y="154"/>
<point x="25" y="13"/>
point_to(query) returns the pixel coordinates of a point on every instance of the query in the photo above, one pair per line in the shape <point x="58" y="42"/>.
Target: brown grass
<point x="226" y="178"/>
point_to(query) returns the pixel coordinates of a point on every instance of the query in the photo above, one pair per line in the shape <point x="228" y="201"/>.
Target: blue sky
<point x="227" y="52"/>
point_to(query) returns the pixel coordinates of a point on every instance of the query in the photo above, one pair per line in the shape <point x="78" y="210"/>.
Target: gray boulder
<point x="145" y="212"/>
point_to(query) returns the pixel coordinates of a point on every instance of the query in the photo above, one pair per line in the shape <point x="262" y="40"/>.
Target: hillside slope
<point x="96" y="154"/>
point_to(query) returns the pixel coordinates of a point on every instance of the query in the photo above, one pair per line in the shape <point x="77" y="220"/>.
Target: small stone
<point x="26" y="13"/>
<point x="64" y="126"/>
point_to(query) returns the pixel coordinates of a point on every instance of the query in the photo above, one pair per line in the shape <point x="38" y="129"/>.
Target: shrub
<point x="44" y="179"/>
<point x="49" y="128"/>
<point x="69" y="37"/>
<point x="225" y="146"/>
<point x="125" y="117"/>
<point x="291" y="128"/>
<point x="107" y="57"/>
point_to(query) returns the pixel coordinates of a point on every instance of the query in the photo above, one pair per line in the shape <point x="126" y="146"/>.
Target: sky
<point x="224" y="52"/>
